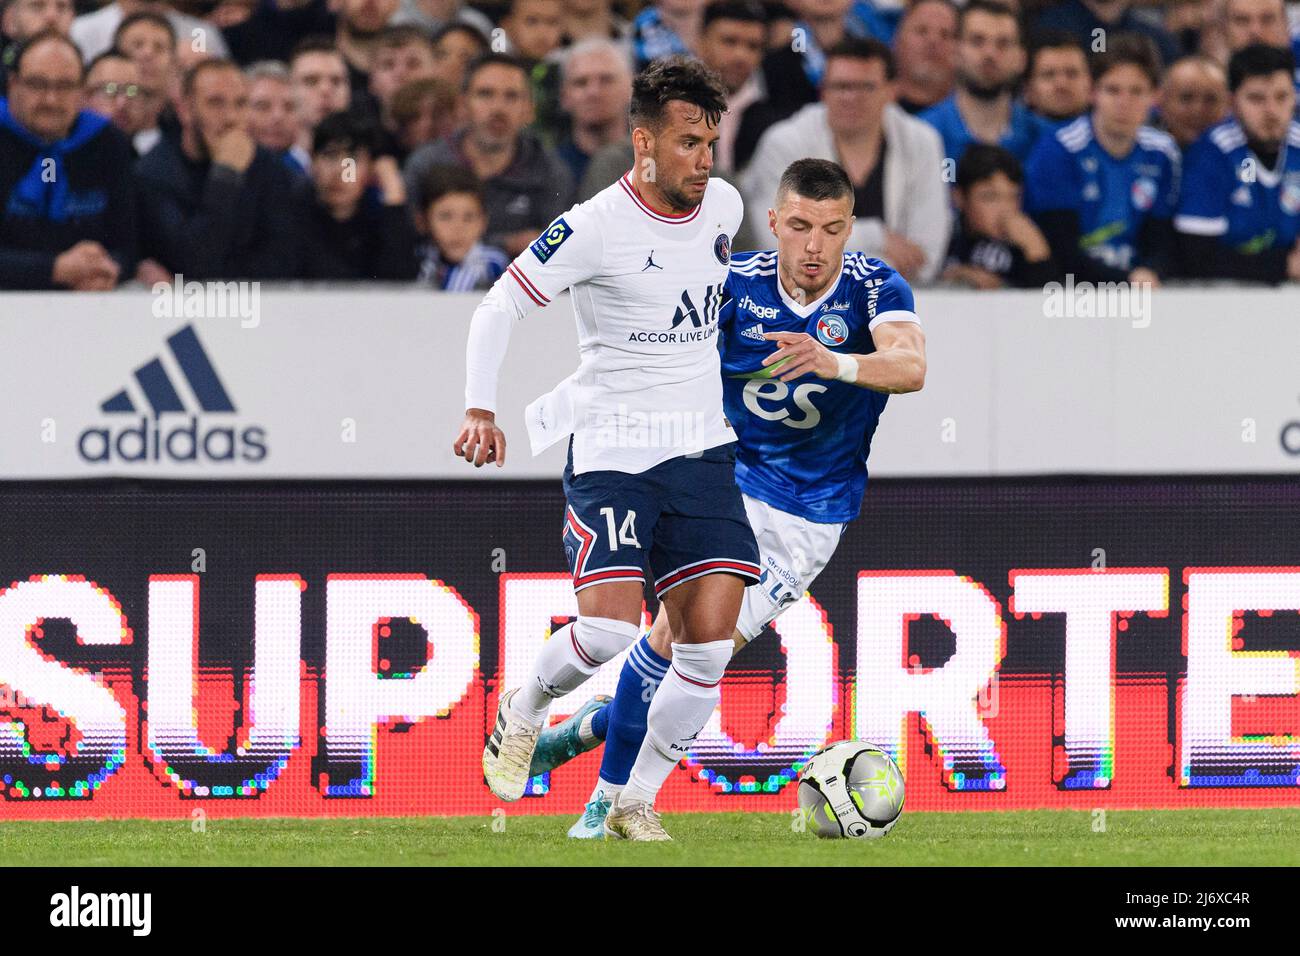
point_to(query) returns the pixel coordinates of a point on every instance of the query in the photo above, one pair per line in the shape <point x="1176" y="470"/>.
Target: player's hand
<point x="800" y="353"/>
<point x="480" y="440"/>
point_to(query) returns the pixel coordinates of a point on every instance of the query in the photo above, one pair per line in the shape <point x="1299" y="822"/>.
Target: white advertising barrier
<point x="367" y="382"/>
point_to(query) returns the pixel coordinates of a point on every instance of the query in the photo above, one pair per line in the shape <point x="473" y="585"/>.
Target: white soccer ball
<point x="851" y="789"/>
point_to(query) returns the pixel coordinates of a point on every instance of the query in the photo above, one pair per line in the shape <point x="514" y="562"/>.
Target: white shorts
<point x="792" y="552"/>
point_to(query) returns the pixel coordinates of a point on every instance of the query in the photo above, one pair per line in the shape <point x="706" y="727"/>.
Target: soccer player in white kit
<point x="651" y="476"/>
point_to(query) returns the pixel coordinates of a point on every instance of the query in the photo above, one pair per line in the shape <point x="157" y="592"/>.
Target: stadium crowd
<point x="989" y="144"/>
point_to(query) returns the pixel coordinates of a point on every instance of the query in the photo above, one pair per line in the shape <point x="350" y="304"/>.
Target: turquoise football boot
<point x="561" y="743"/>
<point x="591" y="825"/>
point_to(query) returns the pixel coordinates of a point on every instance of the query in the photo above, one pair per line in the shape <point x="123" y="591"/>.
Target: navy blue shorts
<point x="684" y="516"/>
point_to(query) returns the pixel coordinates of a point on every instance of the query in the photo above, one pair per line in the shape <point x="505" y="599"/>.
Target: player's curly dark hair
<point x="676" y="78"/>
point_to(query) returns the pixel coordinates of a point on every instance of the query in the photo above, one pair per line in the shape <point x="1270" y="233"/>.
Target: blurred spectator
<point x="877" y="21"/>
<point x="352" y="213"/>
<point x="1103" y="188"/>
<point x="596" y="95"/>
<point x="781" y="21"/>
<point x="113" y="91"/>
<point x="925" y="46"/>
<point x="994" y="244"/>
<point x="273" y="111"/>
<point x="983" y="108"/>
<point x="212" y="201"/>
<point x="67" y="193"/>
<point x="320" y="87"/>
<point x="1089" y="19"/>
<point x="1058" y="86"/>
<point x="360" y="25"/>
<point x="666" y="28"/>
<point x="533" y="29"/>
<point x="1193" y="97"/>
<point x="592" y="20"/>
<point x="892" y="159"/>
<point x="1187" y="21"/>
<point x="455" y="259"/>
<point x="525" y="184"/>
<point x="433" y="15"/>
<point x="1254" y="21"/>
<point x="420" y="112"/>
<point x="23" y="19"/>
<point x="792" y="72"/>
<point x="275" y="27"/>
<point x="95" y="32"/>
<point x="402" y="54"/>
<point x="150" y="41"/>
<point x="732" y="45"/>
<point x="455" y="47"/>
<point x="1240" y="209"/>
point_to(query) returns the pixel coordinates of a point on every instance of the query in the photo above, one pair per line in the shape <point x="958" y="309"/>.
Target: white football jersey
<point x="647" y="290"/>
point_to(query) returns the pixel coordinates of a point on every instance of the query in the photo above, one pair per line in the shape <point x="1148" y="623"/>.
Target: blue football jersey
<point x="1229" y="194"/>
<point x="1112" y="197"/>
<point x="802" y="445"/>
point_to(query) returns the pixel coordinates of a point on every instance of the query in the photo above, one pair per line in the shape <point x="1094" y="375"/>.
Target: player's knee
<point x="600" y="639"/>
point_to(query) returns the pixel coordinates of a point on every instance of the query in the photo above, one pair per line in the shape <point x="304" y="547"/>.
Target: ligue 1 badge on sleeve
<point x="722" y="248"/>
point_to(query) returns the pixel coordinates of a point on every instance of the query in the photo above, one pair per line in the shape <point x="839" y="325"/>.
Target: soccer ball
<point x="851" y="789"/>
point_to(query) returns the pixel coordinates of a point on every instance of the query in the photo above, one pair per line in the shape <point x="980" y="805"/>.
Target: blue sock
<point x="624" y="725"/>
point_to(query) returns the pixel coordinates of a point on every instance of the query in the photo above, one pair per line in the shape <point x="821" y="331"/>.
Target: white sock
<point x="571" y="655"/>
<point x="610" y="790"/>
<point x="681" y="707"/>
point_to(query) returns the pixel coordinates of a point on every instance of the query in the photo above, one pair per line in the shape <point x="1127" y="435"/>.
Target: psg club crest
<point x="1144" y="193"/>
<point x="832" y="330"/>
<point x="722" y="248"/>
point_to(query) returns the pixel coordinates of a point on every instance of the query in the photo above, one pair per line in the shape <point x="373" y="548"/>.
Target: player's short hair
<point x="1258" y="59"/>
<point x="1052" y="39"/>
<point x="815" y="179"/>
<point x="191" y="76"/>
<point x="443" y="179"/>
<point x="1127" y="49"/>
<point x="676" y="78"/>
<point x="348" y="131"/>
<point x="983" y="160"/>
<point x="992" y="8"/>
<point x="47" y="36"/>
<point x="857" y="48"/>
<point x="496" y="59"/>
<point x="744" y="11"/>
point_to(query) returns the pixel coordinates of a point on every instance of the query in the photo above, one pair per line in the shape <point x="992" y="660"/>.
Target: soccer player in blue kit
<point x="813" y="340"/>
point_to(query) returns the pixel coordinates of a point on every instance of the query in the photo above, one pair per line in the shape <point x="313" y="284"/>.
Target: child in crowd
<point x="455" y="258"/>
<point x="995" y="244"/>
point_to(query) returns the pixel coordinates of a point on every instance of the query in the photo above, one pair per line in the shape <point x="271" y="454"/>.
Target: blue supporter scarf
<point x="39" y="190"/>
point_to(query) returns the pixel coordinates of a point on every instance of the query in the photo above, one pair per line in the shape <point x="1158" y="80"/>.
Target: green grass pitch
<point x="1022" y="838"/>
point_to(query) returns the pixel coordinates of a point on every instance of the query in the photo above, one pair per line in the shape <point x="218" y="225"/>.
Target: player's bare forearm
<point x="897" y="365"/>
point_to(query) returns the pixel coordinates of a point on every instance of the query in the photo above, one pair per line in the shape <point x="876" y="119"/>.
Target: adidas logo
<point x="755" y="332"/>
<point x="187" y="383"/>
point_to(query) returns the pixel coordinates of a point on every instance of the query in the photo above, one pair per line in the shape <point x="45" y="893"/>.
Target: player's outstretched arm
<point x="897" y="365"/>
